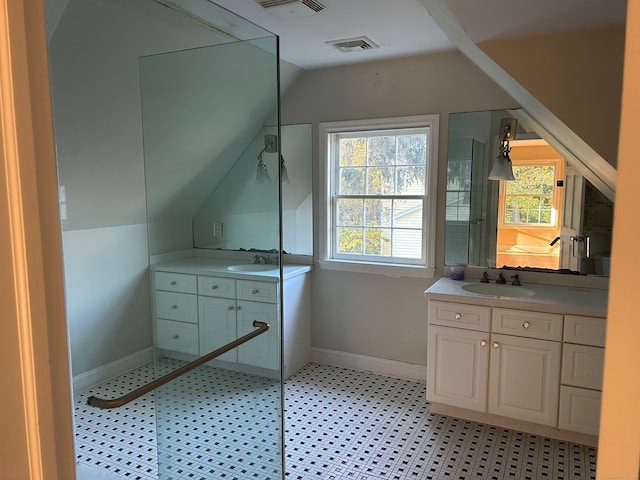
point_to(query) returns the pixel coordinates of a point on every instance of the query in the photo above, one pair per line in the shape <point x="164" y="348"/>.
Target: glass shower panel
<point x="202" y="110"/>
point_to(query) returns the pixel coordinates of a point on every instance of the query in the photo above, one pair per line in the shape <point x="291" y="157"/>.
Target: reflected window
<point x="529" y="200"/>
<point x="529" y="208"/>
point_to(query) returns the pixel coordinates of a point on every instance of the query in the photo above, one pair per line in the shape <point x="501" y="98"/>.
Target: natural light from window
<point x="378" y="175"/>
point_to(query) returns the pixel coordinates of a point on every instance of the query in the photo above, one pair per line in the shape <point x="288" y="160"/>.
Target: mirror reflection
<point x="241" y="208"/>
<point x="549" y="219"/>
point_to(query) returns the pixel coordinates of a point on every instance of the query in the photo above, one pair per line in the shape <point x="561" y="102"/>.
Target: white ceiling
<point x="404" y="27"/>
<point x="399" y="27"/>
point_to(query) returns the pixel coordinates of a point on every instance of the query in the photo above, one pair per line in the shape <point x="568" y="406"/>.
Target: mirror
<point x="235" y="210"/>
<point x="204" y="120"/>
<point x="550" y="219"/>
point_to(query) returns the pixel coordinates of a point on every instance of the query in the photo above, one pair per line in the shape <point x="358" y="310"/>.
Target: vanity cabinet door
<point x="457" y="366"/>
<point x="263" y="350"/>
<point x="524" y="378"/>
<point x="217" y="322"/>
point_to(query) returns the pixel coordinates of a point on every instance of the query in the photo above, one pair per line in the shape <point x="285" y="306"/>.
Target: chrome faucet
<point x="500" y="279"/>
<point x="516" y="280"/>
<point x="485" y="278"/>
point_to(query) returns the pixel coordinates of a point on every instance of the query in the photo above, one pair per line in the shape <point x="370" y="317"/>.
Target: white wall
<point x="371" y="314"/>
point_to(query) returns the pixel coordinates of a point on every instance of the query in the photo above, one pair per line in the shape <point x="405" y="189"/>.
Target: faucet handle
<point x="485" y="278"/>
<point x="516" y="280"/>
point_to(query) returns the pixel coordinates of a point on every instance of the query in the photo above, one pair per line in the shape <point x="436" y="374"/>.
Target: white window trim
<point x="325" y="211"/>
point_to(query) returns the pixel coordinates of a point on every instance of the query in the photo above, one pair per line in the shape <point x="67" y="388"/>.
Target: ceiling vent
<point x="356" y="44"/>
<point x="286" y="9"/>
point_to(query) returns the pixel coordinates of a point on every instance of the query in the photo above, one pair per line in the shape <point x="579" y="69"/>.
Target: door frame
<point x="34" y="355"/>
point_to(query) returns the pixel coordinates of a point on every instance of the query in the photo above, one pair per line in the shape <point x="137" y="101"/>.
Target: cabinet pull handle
<point x="483" y="343"/>
<point x="495" y="345"/>
<point x="213" y="287"/>
<point x="458" y="316"/>
<point x="174" y="307"/>
<point x="526" y="325"/>
<point x="231" y="307"/>
<point x="175" y="337"/>
<point x="173" y="282"/>
<point x="255" y="291"/>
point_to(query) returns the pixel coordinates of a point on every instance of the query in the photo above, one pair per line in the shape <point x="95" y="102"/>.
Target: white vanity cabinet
<point x="582" y="366"/>
<point x="195" y="314"/>
<point x="473" y="364"/>
<point x="532" y="361"/>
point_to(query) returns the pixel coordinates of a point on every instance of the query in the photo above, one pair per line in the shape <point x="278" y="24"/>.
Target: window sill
<point x="390" y="270"/>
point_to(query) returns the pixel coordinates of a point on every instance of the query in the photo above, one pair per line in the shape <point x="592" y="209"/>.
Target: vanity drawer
<point x="579" y="410"/>
<point x="175" y="282"/>
<point x="217" y="287"/>
<point x="258" y="291"/>
<point x="177" y="336"/>
<point x="582" y="366"/>
<point x="472" y="317"/>
<point x="177" y="306"/>
<point x="523" y="323"/>
<point x="585" y="330"/>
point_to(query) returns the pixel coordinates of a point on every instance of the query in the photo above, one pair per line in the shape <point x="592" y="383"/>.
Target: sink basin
<point x="252" y="267"/>
<point x="493" y="290"/>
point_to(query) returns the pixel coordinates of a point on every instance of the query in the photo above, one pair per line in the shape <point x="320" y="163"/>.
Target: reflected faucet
<point x="266" y="260"/>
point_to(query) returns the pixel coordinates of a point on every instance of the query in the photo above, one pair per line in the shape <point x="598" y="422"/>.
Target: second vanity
<point x="200" y="304"/>
<point x="529" y="357"/>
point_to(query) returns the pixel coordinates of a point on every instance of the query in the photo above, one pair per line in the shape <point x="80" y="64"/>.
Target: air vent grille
<point x="315" y="6"/>
<point x="356" y="44"/>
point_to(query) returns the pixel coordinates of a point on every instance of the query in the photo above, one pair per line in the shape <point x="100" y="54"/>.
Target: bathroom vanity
<point x="200" y="304"/>
<point x="528" y="357"/>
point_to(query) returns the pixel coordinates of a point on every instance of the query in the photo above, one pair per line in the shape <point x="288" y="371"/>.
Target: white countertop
<point x="546" y="298"/>
<point x="219" y="267"/>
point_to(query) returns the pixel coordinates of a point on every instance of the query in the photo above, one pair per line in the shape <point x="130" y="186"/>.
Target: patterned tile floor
<point x="339" y="424"/>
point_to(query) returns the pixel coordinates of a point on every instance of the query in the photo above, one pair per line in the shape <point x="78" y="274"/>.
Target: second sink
<point x="493" y="290"/>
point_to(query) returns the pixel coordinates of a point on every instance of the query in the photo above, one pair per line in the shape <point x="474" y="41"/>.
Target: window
<point x="378" y="178"/>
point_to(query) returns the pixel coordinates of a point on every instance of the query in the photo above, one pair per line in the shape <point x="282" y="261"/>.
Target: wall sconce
<point x="502" y="168"/>
<point x="262" y="174"/>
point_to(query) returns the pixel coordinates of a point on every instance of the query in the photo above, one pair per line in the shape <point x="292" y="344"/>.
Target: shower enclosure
<point x="204" y="111"/>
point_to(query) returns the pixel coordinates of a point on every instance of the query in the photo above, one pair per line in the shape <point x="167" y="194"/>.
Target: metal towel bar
<point x="261" y="327"/>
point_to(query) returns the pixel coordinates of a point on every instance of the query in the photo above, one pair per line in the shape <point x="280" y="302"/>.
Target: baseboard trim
<point x="380" y="366"/>
<point x="112" y="369"/>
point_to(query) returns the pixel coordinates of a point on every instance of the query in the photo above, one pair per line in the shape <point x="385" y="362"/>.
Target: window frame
<point x="395" y="267"/>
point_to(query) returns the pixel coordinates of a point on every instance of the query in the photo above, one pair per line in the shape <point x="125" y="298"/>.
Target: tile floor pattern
<point x="339" y="424"/>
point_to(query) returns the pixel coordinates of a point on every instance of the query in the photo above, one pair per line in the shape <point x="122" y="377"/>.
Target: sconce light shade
<point x="502" y="168"/>
<point x="262" y="174"/>
<point x="284" y="175"/>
